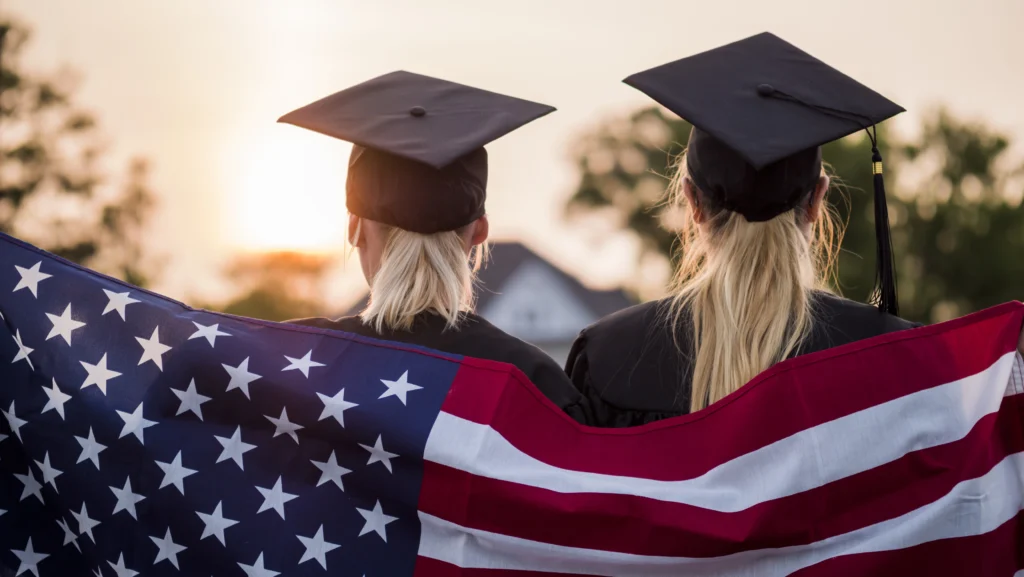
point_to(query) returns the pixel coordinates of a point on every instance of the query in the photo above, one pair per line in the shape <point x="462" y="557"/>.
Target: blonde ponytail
<point x="421" y="273"/>
<point x="745" y="289"/>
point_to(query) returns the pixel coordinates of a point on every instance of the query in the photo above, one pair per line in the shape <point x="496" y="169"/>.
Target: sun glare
<point x="290" y="195"/>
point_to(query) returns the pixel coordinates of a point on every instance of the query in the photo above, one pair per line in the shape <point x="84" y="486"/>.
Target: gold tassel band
<point x="876" y="168"/>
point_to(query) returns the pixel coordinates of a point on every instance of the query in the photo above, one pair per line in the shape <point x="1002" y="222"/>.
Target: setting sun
<point x="290" y="195"/>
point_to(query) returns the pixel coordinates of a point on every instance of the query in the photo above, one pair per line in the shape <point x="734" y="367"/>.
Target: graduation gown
<point x="630" y="372"/>
<point x="475" y="337"/>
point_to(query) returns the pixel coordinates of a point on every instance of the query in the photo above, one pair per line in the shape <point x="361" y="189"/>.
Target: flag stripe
<point x="973" y="507"/>
<point x="485" y="393"/>
<point x="649" y="527"/>
<point x="985" y="554"/>
<point x="935" y="416"/>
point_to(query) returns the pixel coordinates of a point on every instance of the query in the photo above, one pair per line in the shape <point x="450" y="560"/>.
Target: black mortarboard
<point x="418" y="162"/>
<point x="761" y="108"/>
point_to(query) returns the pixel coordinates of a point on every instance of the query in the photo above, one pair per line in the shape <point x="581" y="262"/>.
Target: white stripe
<point x="973" y="507"/>
<point x="803" y="461"/>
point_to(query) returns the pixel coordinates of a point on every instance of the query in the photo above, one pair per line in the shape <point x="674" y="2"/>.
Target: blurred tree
<point x="51" y="190"/>
<point x="277" y="286"/>
<point x="957" y="216"/>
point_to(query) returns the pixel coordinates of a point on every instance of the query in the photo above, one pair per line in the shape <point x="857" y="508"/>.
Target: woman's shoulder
<point x="632" y="321"/>
<point x="844" y="321"/>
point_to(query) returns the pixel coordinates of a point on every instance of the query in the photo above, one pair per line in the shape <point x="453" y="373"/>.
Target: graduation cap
<point x="418" y="162"/>
<point x="761" y="108"/>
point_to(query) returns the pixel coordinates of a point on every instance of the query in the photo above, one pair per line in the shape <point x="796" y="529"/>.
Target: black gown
<point x="631" y="373"/>
<point x="478" y="338"/>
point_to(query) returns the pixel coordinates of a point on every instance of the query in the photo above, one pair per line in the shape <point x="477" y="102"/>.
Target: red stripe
<point x="427" y="567"/>
<point x="998" y="553"/>
<point x="642" y="526"/>
<point x="790" y="397"/>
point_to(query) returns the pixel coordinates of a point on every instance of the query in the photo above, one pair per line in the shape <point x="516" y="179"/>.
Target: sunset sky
<point x="196" y="86"/>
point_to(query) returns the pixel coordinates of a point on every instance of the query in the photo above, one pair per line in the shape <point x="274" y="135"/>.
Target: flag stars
<point x="257" y="569"/>
<point x="331" y="471"/>
<point x="28" y="559"/>
<point x="31" y="486"/>
<point x="90" y="449"/>
<point x="63" y="325"/>
<point x="174" y="473"/>
<point x="49" y="473"/>
<point x="240" y="377"/>
<point x="376" y="521"/>
<point x="275" y="498"/>
<point x="215" y="523"/>
<point x="152" y="349"/>
<point x="191" y="400"/>
<point x="57" y="399"/>
<point x="283" y="426"/>
<point x="335" y="406"/>
<point x="85" y="524"/>
<point x="69" y="534"/>
<point x="118" y="302"/>
<point x="30" y="278"/>
<point x="234" y="448"/>
<point x="399" y="388"/>
<point x="99" y="374"/>
<point x="15" y="423"/>
<point x="134" y="423"/>
<point x="316" y="548"/>
<point x="303" y="364"/>
<point x="126" y="499"/>
<point x="120" y="570"/>
<point x="379" y="455"/>
<point x="167" y="549"/>
<point x="23" y="351"/>
<point x="210" y="333"/>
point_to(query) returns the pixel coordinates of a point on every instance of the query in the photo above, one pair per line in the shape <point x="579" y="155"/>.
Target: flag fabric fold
<point x="139" y="436"/>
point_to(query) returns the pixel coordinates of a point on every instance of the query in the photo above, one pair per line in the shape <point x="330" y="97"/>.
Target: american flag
<point x="142" y="437"/>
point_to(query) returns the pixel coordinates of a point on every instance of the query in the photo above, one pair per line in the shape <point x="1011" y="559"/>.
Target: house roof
<point x="507" y="257"/>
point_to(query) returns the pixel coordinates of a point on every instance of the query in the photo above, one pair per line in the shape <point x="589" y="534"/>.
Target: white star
<point x="118" y="302"/>
<point x="257" y="569"/>
<point x="85" y="524"/>
<point x="167" y="549"/>
<point x="99" y="374"/>
<point x="240" y="377"/>
<point x="90" y="449"/>
<point x="303" y="364"/>
<point x="97" y="572"/>
<point x="28" y="559"/>
<point x="153" y="349"/>
<point x="316" y="548"/>
<point x="174" y="473"/>
<point x="134" y="423"/>
<point x="63" y="325"/>
<point x="13" y="420"/>
<point x="399" y="388"/>
<point x="23" y="351"/>
<point x="126" y="499"/>
<point x="30" y="278"/>
<point x="376" y="521"/>
<point x="32" y="487"/>
<point x="69" y="535"/>
<point x="234" y="448"/>
<point x="335" y="406"/>
<point x="120" y="570"/>
<point x="215" y="524"/>
<point x="331" y="471"/>
<point x="191" y="400"/>
<point x="379" y="455"/>
<point x="210" y="333"/>
<point x="57" y="399"/>
<point x="275" y="498"/>
<point x="50" y="474"/>
<point x="283" y="425"/>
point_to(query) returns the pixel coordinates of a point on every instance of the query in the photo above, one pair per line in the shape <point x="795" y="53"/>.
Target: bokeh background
<point x="139" y="138"/>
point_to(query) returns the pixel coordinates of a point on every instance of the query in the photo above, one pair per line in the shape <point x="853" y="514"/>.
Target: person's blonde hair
<point x="746" y="288"/>
<point x="422" y="273"/>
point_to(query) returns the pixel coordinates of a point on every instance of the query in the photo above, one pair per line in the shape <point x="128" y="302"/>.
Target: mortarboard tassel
<point x="885" y="296"/>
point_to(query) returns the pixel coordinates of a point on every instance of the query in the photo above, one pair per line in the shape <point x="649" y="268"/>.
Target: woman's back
<point x="630" y="371"/>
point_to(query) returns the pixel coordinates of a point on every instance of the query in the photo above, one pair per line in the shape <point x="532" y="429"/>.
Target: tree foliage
<point x="954" y="202"/>
<point x="52" y="189"/>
